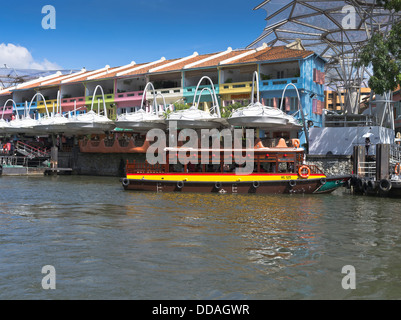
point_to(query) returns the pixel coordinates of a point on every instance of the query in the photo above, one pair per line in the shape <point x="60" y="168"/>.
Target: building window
<point x="269" y="102"/>
<point x="280" y="74"/>
<point x="293" y="104"/>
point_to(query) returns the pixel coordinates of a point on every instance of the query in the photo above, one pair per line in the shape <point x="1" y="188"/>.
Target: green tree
<point x="228" y="110"/>
<point x="383" y="52"/>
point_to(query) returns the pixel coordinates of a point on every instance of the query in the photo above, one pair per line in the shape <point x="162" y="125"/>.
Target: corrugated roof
<point x="36" y="82"/>
<point x="58" y="80"/>
<point x="111" y="73"/>
<point x="5" y="93"/>
<point x="181" y="64"/>
<point x="85" y="75"/>
<point x="216" y="61"/>
<point x="195" y="61"/>
<point x="146" y="69"/>
<point x="275" y="53"/>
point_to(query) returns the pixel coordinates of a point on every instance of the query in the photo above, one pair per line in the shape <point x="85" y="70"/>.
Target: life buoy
<point x="302" y="174"/>
<point x="397" y="169"/>
<point x="180" y="184"/>
<point x="256" y="184"/>
<point x="296" y="143"/>
<point x="385" y="185"/>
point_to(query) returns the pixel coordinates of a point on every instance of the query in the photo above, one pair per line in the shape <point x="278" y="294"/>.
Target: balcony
<point x="42" y="107"/>
<point x="279" y="84"/>
<point x="108" y="98"/>
<point x="21" y="106"/>
<point x="68" y="104"/>
<point x="128" y="96"/>
<point x="189" y="93"/>
<point x="236" y="87"/>
<point x="171" y="95"/>
<point x="8" y="110"/>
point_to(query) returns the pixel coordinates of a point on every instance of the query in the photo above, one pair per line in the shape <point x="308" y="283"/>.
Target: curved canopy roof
<point x="333" y="29"/>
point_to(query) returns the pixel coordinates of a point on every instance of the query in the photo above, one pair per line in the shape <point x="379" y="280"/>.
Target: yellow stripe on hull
<point x="219" y="177"/>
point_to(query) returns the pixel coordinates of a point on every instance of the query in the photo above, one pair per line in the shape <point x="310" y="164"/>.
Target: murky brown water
<point x="106" y="243"/>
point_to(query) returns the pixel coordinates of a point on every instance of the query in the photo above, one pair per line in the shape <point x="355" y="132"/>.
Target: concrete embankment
<point x="96" y="164"/>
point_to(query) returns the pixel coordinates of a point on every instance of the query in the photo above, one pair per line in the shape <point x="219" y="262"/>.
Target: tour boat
<point x="143" y="120"/>
<point x="278" y="170"/>
<point x="199" y="119"/>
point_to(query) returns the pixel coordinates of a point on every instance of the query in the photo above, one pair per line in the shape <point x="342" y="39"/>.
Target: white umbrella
<point x="367" y="135"/>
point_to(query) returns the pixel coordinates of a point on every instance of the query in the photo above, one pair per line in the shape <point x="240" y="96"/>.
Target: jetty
<point x="377" y="174"/>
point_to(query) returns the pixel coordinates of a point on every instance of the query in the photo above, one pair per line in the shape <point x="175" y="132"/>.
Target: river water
<point x="107" y="243"/>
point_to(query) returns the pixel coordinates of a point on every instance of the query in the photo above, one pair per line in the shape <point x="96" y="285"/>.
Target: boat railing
<point x="271" y="142"/>
<point x="144" y="167"/>
<point x="313" y="169"/>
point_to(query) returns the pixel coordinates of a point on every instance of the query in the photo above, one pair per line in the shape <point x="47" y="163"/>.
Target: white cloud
<point x="15" y="56"/>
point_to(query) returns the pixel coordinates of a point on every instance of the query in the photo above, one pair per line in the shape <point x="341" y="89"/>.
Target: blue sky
<point x="94" y="33"/>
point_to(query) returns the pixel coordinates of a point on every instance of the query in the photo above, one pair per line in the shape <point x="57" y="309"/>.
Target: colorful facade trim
<point x="231" y="71"/>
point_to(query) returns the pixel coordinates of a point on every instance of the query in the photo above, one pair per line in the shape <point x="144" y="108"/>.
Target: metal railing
<point x="395" y="154"/>
<point x="349" y="120"/>
<point x="367" y="169"/>
<point x="31" y="152"/>
<point x="135" y="167"/>
<point x="13" y="161"/>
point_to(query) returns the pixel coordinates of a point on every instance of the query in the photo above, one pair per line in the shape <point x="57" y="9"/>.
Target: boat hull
<point x="317" y="185"/>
